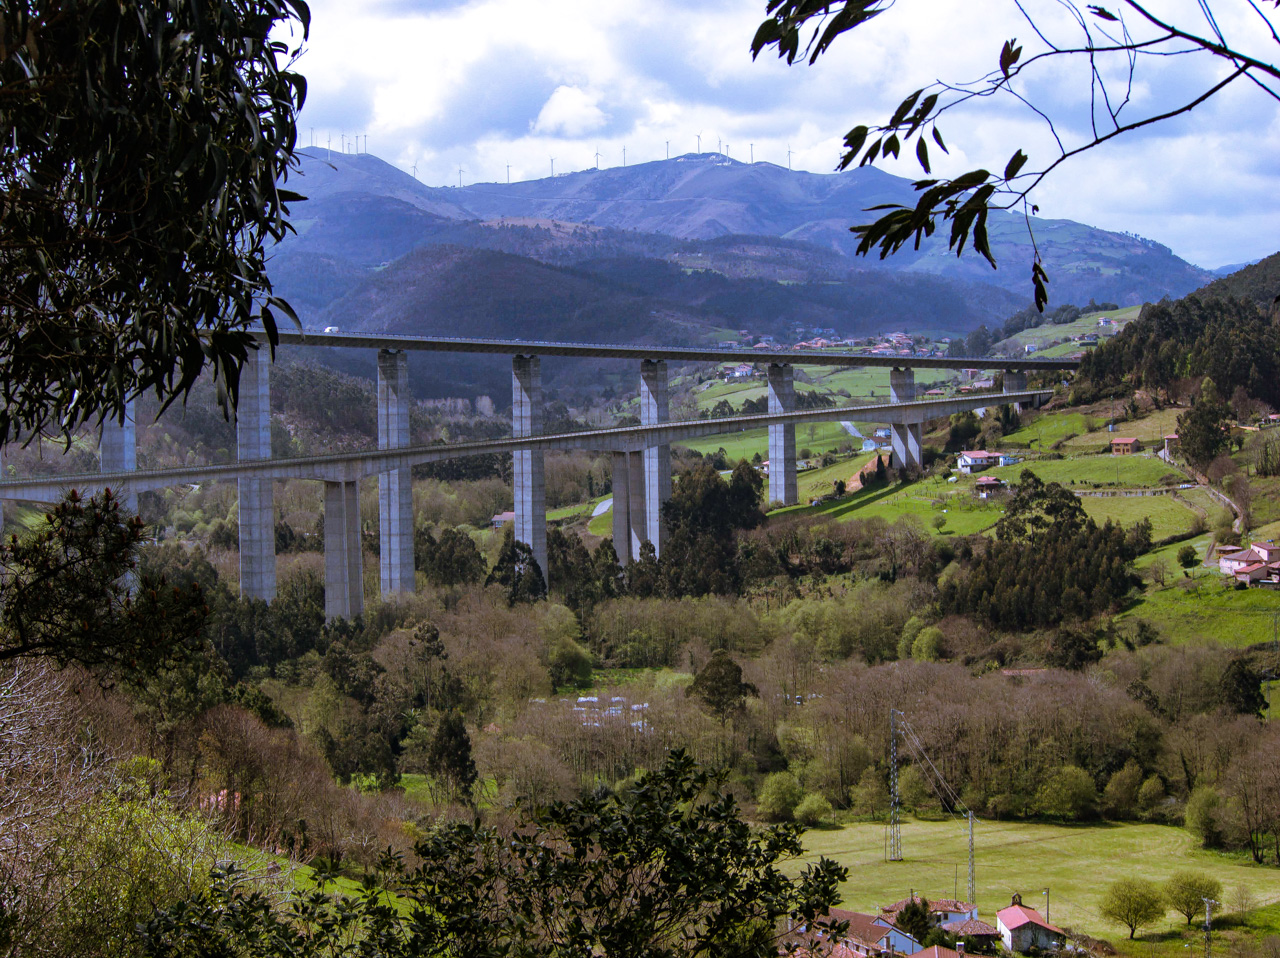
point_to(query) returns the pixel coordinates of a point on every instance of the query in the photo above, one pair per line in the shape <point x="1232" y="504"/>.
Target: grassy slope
<point x="1075" y="863"/>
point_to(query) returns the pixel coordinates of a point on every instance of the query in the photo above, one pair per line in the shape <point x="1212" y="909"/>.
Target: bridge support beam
<point x="343" y="570"/>
<point x="395" y="489"/>
<point x="530" y="487"/>
<point x="1015" y="381"/>
<point x="118" y="450"/>
<point x="655" y="408"/>
<point x="257" y="509"/>
<point x="906" y="447"/>
<point x="782" y="438"/>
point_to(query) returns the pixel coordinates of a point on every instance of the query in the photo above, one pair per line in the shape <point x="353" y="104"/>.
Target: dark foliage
<point x="701" y="881"/>
<point x="1050" y="563"/>
<point x="454" y="559"/>
<point x="720" y="687"/>
<point x="1232" y="342"/>
<point x="449" y="756"/>
<point x="145" y="145"/>
<point x="517" y="571"/>
<point x="70" y="593"/>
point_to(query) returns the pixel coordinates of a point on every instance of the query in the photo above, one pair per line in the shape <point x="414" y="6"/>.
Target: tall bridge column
<point x="257" y="510"/>
<point x="118" y="450"/>
<point x="655" y="408"/>
<point x="343" y="570"/>
<point x="630" y="502"/>
<point x="395" y="489"/>
<point x="530" y="491"/>
<point x="782" y="438"/>
<point x="902" y="388"/>
<point x="621" y="483"/>
<point x="1015" y="381"/>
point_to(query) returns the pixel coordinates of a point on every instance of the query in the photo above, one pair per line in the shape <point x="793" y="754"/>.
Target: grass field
<point x="1048" y="429"/>
<point x="1168" y="516"/>
<point x="1085" y="324"/>
<point x="1136" y="472"/>
<point x="818" y="437"/>
<point x="1212" y="613"/>
<point x="1150" y="429"/>
<point x="1075" y="863"/>
<point x="964" y="515"/>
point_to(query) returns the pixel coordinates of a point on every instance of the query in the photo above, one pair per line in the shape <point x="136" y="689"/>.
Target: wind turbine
<point x="718" y="150"/>
<point x="699" y="141"/>
<point x="415" y="171"/>
<point x="726" y="149"/>
<point x="553" y="167"/>
<point x="460" y="172"/>
<point x="508" y="174"/>
<point x="668" y="149"/>
<point x="753" y="153"/>
<point x="597" y="157"/>
<point x="624" y="156"/>
<point x="788" y="156"/>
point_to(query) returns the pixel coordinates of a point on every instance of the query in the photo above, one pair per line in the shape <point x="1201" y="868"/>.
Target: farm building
<point x="1125" y="445"/>
<point x="1022" y="928"/>
<point x="973" y="461"/>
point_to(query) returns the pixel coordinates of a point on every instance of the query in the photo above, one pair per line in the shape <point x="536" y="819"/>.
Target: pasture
<point x="1075" y="863"/>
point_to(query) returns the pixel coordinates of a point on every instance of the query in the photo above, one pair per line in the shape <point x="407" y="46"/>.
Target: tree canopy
<point x="139" y="190"/>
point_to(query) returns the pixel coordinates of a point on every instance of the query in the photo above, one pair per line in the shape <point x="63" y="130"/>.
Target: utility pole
<point x="1208" y="926"/>
<point x="1046" y="904"/>
<point x="895" y="824"/>
<point x="973" y="878"/>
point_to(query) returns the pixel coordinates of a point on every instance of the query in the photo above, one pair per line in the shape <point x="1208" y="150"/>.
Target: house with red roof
<point x="1022" y="928"/>
<point x="971" y="461"/>
<point x="1125" y="445"/>
<point x="868" y="936"/>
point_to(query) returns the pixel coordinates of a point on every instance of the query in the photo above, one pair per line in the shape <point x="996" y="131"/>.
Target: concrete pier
<point x="782" y="438"/>
<point x="1015" y="381"/>
<point x="621" y="482"/>
<point x="257" y="508"/>
<point x="655" y="408"/>
<point x="902" y="388"/>
<point x="395" y="489"/>
<point x="630" y="505"/>
<point x="118" y="450"/>
<point x="343" y="571"/>
<point x="530" y="485"/>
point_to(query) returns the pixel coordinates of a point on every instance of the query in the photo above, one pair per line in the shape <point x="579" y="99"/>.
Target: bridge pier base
<point x="530" y="484"/>
<point x="343" y="569"/>
<point x="655" y="408"/>
<point x="395" y="489"/>
<point x="782" y="438"/>
<point x="906" y="446"/>
<point x="118" y="450"/>
<point x="256" y="508"/>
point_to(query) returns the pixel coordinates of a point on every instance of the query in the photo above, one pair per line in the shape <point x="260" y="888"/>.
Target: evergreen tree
<point x="1202" y="429"/>
<point x="720" y="686"/>
<point x="449" y="756"/>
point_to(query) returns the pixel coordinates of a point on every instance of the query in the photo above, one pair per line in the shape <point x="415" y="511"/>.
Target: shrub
<point x="813" y="809"/>
<point x="1187" y="557"/>
<point x="779" y="796"/>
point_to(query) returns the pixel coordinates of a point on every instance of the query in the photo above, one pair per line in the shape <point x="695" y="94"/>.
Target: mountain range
<point x="673" y="251"/>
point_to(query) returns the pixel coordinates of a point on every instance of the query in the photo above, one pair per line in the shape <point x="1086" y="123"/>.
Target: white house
<point x="971" y="461"/>
<point x="1022" y="928"/>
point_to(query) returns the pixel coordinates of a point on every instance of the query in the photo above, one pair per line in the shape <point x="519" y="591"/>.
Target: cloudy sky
<point x="499" y="87"/>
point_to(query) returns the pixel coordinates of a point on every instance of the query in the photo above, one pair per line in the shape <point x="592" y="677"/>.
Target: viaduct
<point x="641" y="454"/>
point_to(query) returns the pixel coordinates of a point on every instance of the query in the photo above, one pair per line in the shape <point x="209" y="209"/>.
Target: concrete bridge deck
<point x="351" y="466"/>
<point x="710" y="354"/>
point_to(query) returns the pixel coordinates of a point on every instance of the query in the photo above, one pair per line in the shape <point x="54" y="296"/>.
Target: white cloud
<point x="487" y="83"/>
<point x="570" y="112"/>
